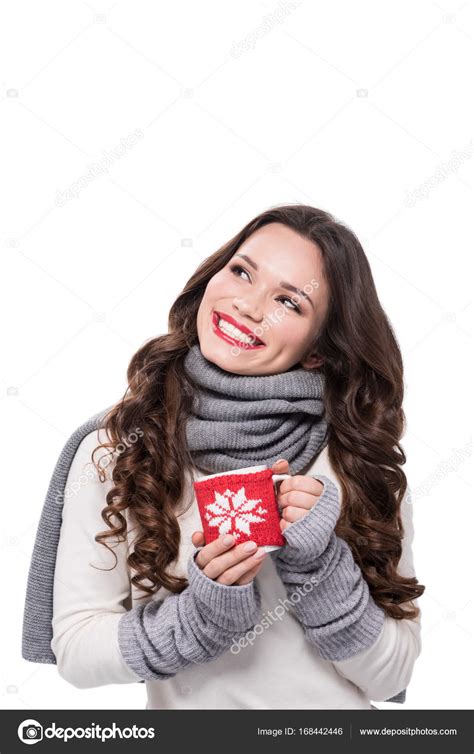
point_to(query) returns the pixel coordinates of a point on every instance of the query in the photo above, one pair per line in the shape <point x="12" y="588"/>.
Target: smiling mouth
<point x="228" y="332"/>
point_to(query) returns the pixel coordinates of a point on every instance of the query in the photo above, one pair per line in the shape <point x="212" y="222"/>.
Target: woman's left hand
<point x="296" y="495"/>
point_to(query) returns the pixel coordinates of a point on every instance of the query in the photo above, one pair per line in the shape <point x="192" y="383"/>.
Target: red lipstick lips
<point x="216" y="316"/>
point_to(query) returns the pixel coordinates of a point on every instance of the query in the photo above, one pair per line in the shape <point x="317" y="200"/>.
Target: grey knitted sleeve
<point x="335" y="608"/>
<point x="159" y="638"/>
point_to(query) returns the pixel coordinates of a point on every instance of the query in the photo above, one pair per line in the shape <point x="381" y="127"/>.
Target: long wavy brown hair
<point x="363" y="368"/>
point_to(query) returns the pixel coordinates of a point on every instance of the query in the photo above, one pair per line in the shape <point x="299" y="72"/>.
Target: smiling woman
<point x="278" y="352"/>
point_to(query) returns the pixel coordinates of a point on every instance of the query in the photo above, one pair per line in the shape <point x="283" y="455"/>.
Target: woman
<point x="278" y="352"/>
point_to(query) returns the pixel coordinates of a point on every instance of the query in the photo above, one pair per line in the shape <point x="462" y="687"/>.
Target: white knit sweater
<point x="280" y="670"/>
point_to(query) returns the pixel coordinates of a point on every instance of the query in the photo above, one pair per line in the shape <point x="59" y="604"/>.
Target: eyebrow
<point x="283" y="284"/>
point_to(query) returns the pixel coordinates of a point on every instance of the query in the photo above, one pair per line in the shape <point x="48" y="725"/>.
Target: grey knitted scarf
<point x="237" y="421"/>
<point x="241" y="420"/>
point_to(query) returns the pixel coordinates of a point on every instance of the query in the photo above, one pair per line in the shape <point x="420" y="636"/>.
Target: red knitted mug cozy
<point x="243" y="505"/>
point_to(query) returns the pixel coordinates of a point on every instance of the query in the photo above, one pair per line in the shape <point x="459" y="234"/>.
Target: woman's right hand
<point x="226" y="562"/>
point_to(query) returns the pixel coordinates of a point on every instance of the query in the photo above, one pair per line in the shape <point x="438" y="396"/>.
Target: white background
<point x="362" y="109"/>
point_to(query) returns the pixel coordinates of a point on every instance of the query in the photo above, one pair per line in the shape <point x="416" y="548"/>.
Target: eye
<point x="294" y="306"/>
<point x="236" y="269"/>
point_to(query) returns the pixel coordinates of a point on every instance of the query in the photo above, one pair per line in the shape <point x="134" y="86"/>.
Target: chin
<point x="211" y="353"/>
<point x="225" y="361"/>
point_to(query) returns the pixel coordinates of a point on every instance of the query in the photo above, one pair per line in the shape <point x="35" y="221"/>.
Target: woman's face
<point x="256" y="291"/>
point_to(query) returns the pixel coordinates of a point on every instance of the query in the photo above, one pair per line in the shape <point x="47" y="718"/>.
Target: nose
<point x="248" y="307"/>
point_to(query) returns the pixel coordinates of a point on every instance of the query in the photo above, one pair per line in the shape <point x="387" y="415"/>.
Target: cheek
<point x="218" y="287"/>
<point x="294" y="335"/>
<point x="290" y="325"/>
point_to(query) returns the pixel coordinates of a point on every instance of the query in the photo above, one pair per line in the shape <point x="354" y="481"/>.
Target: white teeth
<point x="234" y="332"/>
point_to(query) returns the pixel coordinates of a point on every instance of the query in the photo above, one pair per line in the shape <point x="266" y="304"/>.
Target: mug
<point x="243" y="503"/>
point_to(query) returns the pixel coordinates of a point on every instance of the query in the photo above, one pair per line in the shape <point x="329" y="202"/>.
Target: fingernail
<point x="260" y="554"/>
<point x="228" y="540"/>
<point x="249" y="546"/>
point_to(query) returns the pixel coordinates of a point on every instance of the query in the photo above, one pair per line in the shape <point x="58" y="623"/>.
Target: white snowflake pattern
<point x="233" y="512"/>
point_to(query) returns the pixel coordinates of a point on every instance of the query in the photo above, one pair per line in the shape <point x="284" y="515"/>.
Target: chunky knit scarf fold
<point x="243" y="420"/>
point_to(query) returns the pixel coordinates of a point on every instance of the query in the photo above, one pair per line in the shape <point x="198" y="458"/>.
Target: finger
<point x="213" y="549"/>
<point x="198" y="538"/>
<point x="284" y="524"/>
<point x="220" y="563"/>
<point x="302" y="483"/>
<point x="292" y="514"/>
<point x="247" y="577"/>
<point x="231" y="575"/>
<point x="281" y="466"/>
<point x="299" y="499"/>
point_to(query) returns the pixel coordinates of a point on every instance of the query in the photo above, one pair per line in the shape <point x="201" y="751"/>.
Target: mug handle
<point x="279" y="477"/>
<point x="276" y="478"/>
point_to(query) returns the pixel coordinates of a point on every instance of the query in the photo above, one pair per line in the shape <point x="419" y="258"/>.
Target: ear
<point x="312" y="361"/>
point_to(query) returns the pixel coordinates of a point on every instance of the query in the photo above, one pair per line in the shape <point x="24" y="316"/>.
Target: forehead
<point x="279" y="244"/>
